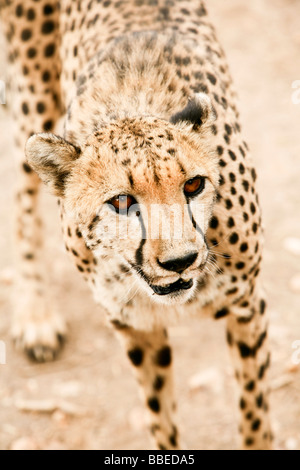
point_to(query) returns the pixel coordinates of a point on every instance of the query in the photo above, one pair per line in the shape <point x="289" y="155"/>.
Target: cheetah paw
<point x="41" y="338"/>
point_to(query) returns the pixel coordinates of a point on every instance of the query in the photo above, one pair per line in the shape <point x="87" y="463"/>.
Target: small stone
<point x="281" y="382"/>
<point x="60" y="418"/>
<point x="32" y="385"/>
<point x="24" y="443"/>
<point x="54" y="445"/>
<point x="208" y="379"/>
<point x="136" y="418"/>
<point x="36" y="406"/>
<point x="9" y="429"/>
<point x="49" y="406"/>
<point x="7" y="276"/>
<point x="292" y="245"/>
<point x="295" y="283"/>
<point x="70" y="389"/>
<point x="292" y="368"/>
<point x="291" y="443"/>
<point x="71" y="409"/>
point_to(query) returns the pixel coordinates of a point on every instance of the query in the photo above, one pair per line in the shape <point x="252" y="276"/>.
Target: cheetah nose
<point x="179" y="265"/>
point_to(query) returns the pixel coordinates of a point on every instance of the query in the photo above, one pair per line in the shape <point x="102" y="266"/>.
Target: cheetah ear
<point x="198" y="111"/>
<point x="51" y="157"/>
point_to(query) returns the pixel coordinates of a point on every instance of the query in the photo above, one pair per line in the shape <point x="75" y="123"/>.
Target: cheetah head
<point x="141" y="190"/>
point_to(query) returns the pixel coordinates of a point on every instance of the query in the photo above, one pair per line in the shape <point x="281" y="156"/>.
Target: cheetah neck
<point x="132" y="78"/>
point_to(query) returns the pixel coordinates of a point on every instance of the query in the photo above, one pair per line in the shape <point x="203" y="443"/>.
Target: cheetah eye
<point x="122" y="203"/>
<point x="194" y="186"/>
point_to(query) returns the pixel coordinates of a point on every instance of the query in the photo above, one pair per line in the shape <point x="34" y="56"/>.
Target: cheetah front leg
<point x="32" y="36"/>
<point x="247" y="340"/>
<point x="151" y="358"/>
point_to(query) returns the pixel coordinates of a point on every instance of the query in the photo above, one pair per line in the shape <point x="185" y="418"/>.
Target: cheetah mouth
<point x="177" y="286"/>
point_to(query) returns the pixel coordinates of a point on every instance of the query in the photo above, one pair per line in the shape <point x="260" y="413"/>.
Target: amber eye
<point x="194" y="186"/>
<point x="123" y="202"/>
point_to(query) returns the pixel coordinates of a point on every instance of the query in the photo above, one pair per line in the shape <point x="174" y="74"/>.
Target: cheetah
<point x="149" y="115"/>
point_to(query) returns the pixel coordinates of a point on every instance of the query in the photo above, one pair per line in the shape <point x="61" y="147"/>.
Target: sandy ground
<point x="91" y="386"/>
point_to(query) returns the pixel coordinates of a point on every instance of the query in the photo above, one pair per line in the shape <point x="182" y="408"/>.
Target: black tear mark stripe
<point x="139" y="257"/>
<point x="196" y="226"/>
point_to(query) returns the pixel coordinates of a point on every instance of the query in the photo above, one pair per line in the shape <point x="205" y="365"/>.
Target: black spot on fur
<point x="211" y="78"/>
<point x="220" y="150"/>
<point x="26" y="34"/>
<point x="31" y="14"/>
<point x="31" y="53"/>
<point x="243" y="404"/>
<point x="245" y="184"/>
<point x="158" y="383"/>
<point x="249" y="441"/>
<point x="19" y="10"/>
<point x="214" y="222"/>
<point x="46" y="76"/>
<point x="229" y="338"/>
<point x="173" y="438"/>
<point x="259" y="400"/>
<point x="241" y="169"/>
<point x="256" y="425"/>
<point x="262" y="307"/>
<point x="250" y="386"/>
<point x="244" y="247"/>
<point x="164" y="357"/>
<point x="48" y="125"/>
<point x="232" y="291"/>
<point x="240" y="265"/>
<point x="27" y="168"/>
<point x="25" y="108"/>
<point x="48" y="10"/>
<point x="136" y="356"/>
<point x="228" y="204"/>
<point x="222" y="313"/>
<point x="40" y="107"/>
<point x="232" y="155"/>
<point x="234" y="238"/>
<point x="252" y="208"/>
<point x="49" y="50"/>
<point x="154" y="404"/>
<point x="48" y="27"/>
<point x="245" y="351"/>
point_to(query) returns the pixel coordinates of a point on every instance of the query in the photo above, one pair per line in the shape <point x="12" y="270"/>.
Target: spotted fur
<point x="147" y="101"/>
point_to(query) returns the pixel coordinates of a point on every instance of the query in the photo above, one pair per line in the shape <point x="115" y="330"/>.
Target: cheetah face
<point x="141" y="190"/>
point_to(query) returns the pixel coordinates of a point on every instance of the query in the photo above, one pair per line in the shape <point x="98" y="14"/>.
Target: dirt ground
<point x="88" y="398"/>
